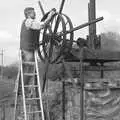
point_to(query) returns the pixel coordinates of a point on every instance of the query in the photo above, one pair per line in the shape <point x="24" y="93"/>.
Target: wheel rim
<point x="70" y="36"/>
<point x="52" y="46"/>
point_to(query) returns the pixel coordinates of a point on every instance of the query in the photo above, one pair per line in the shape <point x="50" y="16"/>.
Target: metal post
<point x="63" y="100"/>
<point x="60" y="11"/>
<point x="1" y="64"/>
<point x="102" y="71"/>
<point x="82" y="85"/>
<point x="92" y="27"/>
<point x="63" y="92"/>
<point x="41" y="8"/>
<point x="93" y="16"/>
<point x="61" y="6"/>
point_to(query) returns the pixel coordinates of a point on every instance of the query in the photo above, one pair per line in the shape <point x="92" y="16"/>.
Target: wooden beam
<point x="92" y="27"/>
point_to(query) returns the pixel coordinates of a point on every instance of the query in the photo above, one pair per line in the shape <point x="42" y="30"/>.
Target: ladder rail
<point x="22" y="82"/>
<point x="39" y="85"/>
<point x="16" y="92"/>
<point x="35" y="86"/>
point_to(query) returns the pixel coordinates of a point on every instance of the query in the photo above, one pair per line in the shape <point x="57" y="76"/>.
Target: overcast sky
<point x="11" y="14"/>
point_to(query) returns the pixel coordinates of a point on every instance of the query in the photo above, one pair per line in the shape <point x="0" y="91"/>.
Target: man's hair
<point x="27" y="11"/>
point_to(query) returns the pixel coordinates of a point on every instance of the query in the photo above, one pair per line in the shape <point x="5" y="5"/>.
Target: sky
<point x="11" y="17"/>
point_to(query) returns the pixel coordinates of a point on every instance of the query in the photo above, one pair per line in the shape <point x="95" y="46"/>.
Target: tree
<point x="110" y="41"/>
<point x="10" y="71"/>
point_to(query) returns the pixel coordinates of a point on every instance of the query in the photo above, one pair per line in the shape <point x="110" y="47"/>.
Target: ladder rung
<point x="34" y="112"/>
<point x="32" y="98"/>
<point x="28" y="62"/>
<point x="31" y="86"/>
<point x="29" y="74"/>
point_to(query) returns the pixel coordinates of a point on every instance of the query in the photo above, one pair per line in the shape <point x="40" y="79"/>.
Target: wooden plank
<point x="97" y="84"/>
<point x="100" y="56"/>
<point x="101" y="68"/>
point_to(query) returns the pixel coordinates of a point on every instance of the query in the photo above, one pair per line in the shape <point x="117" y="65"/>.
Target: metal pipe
<point x="92" y="27"/>
<point x="82" y="26"/>
<point x="45" y="74"/>
<point x="41" y="8"/>
<point x="60" y="11"/>
<point x="2" y="64"/>
<point x="63" y="99"/>
<point x="82" y="85"/>
<point x="61" y="6"/>
<point x="102" y="71"/>
<point x="92" y="16"/>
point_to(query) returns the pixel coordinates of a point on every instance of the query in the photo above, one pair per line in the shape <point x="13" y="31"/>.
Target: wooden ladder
<point x="28" y="98"/>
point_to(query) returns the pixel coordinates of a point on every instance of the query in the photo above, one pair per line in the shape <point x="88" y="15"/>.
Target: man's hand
<point x="50" y="15"/>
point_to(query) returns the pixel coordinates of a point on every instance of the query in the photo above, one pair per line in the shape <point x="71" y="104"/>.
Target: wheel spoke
<point x="53" y="48"/>
<point x="66" y="23"/>
<point x="50" y="52"/>
<point x="56" y="19"/>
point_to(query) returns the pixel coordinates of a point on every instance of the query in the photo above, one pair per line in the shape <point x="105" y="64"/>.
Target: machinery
<point x="56" y="45"/>
<point x="57" y="38"/>
<point x="56" y="42"/>
<point x="59" y="34"/>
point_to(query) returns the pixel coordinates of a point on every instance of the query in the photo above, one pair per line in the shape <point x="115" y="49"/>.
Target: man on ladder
<point x="29" y="36"/>
<point x="29" y="43"/>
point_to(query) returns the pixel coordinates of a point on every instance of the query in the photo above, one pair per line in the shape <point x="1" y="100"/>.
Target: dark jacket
<point x="29" y="39"/>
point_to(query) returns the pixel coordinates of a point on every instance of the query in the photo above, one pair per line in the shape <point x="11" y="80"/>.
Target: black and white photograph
<point x="60" y="60"/>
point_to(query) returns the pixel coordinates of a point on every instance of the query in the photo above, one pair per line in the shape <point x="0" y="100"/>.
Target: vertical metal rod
<point x="63" y="91"/>
<point x="2" y="64"/>
<point x="92" y="27"/>
<point x="93" y="16"/>
<point x="45" y="74"/>
<point x="61" y="6"/>
<point x="82" y="85"/>
<point x="60" y="11"/>
<point x="63" y="100"/>
<point x="102" y="71"/>
<point x="41" y="8"/>
<point x="47" y="100"/>
<point x="89" y="19"/>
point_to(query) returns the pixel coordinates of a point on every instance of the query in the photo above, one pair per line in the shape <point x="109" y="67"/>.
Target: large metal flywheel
<point x="52" y="43"/>
<point x="57" y="37"/>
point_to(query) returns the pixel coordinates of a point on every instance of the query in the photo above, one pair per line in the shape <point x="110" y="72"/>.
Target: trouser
<point x="27" y="68"/>
<point x="27" y="56"/>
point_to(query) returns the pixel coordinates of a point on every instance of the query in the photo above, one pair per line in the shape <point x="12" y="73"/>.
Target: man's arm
<point x="36" y="25"/>
<point x="33" y="24"/>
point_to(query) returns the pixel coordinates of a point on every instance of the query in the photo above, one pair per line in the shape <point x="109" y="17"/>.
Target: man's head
<point x="29" y="12"/>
